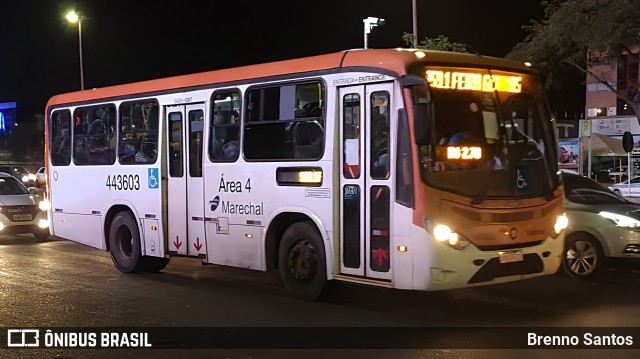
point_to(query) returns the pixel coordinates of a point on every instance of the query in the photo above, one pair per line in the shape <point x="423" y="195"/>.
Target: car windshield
<point x="582" y="190"/>
<point x="11" y="186"/>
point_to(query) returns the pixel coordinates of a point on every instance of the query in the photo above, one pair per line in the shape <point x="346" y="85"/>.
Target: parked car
<point x="41" y="176"/>
<point x="623" y="188"/>
<point x="604" y="228"/>
<point x="20" y="210"/>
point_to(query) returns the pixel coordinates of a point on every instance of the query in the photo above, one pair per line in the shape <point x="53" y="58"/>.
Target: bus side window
<point x="60" y="138"/>
<point x="224" y="128"/>
<point x="138" y="126"/>
<point x="285" y="122"/>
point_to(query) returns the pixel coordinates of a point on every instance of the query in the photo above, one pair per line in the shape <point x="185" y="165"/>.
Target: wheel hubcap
<point x="582" y="258"/>
<point x="302" y="261"/>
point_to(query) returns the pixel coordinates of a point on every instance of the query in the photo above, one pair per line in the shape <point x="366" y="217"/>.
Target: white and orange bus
<point x="400" y="168"/>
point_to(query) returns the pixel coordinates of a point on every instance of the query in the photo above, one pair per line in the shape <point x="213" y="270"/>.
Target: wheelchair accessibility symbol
<point x="153" y="178"/>
<point x="520" y="181"/>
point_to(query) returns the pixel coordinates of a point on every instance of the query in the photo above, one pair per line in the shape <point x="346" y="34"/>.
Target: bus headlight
<point x="443" y="233"/>
<point x="561" y="223"/>
<point x="44" y="205"/>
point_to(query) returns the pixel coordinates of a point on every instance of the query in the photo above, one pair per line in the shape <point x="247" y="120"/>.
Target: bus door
<point x="365" y="180"/>
<point x="185" y="197"/>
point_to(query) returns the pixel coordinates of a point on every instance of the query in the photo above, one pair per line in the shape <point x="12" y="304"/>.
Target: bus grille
<point x="530" y="264"/>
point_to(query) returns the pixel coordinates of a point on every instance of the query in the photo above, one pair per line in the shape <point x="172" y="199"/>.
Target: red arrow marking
<point x="177" y="243"/>
<point x="380" y="255"/>
<point x="198" y="245"/>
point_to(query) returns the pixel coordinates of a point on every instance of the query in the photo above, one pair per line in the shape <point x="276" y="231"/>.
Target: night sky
<point x="133" y="40"/>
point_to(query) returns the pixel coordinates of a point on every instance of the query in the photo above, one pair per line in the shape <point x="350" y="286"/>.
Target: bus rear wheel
<point x="302" y="261"/>
<point x="124" y="243"/>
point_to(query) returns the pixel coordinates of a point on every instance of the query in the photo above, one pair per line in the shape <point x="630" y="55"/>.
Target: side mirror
<point x="423" y="123"/>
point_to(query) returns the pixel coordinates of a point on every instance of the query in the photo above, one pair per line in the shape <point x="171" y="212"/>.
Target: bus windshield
<point x="490" y="138"/>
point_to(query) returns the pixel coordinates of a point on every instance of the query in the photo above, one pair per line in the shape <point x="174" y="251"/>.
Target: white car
<point x="623" y="188"/>
<point x="604" y="228"/>
<point x="41" y="176"/>
<point x="20" y="210"/>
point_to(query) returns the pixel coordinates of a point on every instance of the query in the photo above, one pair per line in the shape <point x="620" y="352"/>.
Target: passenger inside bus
<point x="307" y="139"/>
<point x="226" y="144"/>
<point x="380" y="139"/>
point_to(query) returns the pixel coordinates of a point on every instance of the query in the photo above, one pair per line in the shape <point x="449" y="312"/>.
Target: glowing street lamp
<point x="73" y="17"/>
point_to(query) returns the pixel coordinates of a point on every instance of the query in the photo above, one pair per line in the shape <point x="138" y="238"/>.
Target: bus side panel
<point x="151" y="244"/>
<point x="402" y="236"/>
<point x="81" y="228"/>
<point x="422" y="253"/>
<point x="76" y="205"/>
<point x="235" y="212"/>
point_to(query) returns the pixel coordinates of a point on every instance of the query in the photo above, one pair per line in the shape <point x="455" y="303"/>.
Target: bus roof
<point x="394" y="60"/>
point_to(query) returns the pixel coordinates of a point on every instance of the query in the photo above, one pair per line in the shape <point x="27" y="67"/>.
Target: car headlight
<point x="44" y="205"/>
<point x="443" y="233"/>
<point x="621" y="220"/>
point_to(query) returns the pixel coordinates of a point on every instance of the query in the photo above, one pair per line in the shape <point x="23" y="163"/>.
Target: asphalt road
<point x="63" y="284"/>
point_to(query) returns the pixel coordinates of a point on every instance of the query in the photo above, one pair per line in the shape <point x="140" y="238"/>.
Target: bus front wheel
<point x="154" y="264"/>
<point x="302" y="261"/>
<point x="124" y="243"/>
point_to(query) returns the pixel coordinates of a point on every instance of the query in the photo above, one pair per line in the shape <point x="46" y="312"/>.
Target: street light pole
<point x="370" y="23"/>
<point x="415" y="24"/>
<point x="73" y="17"/>
<point x="80" y="46"/>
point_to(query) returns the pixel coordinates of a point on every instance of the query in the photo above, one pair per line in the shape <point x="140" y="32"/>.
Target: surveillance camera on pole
<point x="370" y="23"/>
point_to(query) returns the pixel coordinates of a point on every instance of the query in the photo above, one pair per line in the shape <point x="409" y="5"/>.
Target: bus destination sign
<point x="469" y="81"/>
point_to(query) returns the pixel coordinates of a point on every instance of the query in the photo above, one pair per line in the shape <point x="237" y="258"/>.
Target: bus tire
<point x="302" y="261"/>
<point x="154" y="264"/>
<point x="124" y="243"/>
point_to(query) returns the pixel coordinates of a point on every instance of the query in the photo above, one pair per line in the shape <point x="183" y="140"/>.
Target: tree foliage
<point x="572" y="30"/>
<point x="440" y="43"/>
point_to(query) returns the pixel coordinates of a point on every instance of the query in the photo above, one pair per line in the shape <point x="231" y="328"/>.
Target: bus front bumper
<point x="451" y="268"/>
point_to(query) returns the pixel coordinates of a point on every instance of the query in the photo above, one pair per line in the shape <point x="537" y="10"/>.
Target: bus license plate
<point x="22" y="217"/>
<point x="510" y="256"/>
